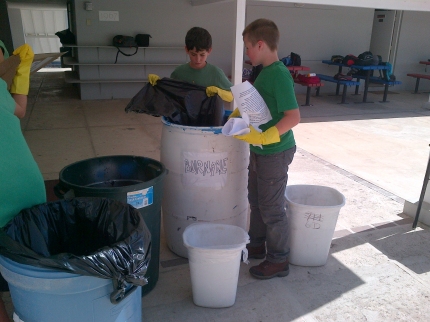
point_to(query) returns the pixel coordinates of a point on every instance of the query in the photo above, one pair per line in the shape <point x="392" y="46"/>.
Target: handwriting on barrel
<point x="209" y="168"/>
<point x="313" y="221"/>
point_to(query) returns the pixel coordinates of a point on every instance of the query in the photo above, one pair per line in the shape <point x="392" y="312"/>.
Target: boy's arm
<point x="291" y="119"/>
<point x="21" y="105"/>
<point x="272" y="135"/>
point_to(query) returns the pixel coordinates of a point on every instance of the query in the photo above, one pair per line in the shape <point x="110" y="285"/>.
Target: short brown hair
<point x="198" y="38"/>
<point x="263" y="29"/>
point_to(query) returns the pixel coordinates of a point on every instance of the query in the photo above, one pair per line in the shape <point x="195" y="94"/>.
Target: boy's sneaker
<point x="256" y="252"/>
<point x="266" y="270"/>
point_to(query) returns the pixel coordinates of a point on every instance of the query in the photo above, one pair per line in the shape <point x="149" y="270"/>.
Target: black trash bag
<point x="97" y="237"/>
<point x="180" y="102"/>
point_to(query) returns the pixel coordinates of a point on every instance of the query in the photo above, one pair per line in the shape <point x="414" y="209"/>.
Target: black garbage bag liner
<point x="180" y="102"/>
<point x="97" y="237"/>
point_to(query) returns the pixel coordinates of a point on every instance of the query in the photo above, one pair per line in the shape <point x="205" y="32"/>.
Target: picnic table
<point x="420" y="76"/>
<point x="367" y="78"/>
<point x="295" y="70"/>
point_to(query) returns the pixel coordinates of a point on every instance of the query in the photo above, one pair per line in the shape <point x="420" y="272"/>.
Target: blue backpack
<point x="387" y="74"/>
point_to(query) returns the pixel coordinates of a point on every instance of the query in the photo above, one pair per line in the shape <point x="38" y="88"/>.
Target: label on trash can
<point x="141" y="198"/>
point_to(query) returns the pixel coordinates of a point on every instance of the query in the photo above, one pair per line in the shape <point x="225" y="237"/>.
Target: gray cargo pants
<point x="267" y="180"/>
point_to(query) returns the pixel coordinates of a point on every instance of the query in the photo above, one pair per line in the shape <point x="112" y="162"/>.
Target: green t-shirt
<point x="276" y="86"/>
<point x="21" y="183"/>
<point x="209" y="75"/>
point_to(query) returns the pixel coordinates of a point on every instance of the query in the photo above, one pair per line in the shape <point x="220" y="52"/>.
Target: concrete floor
<point x="375" y="154"/>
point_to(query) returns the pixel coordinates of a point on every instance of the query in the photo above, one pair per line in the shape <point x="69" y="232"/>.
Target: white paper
<point x="249" y="101"/>
<point x="236" y="126"/>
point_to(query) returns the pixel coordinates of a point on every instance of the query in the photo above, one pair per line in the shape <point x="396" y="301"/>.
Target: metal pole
<point x="423" y="191"/>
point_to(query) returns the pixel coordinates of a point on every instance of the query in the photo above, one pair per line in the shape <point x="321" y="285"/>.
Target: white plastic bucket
<point x="313" y="213"/>
<point x="207" y="180"/>
<point x="214" y="252"/>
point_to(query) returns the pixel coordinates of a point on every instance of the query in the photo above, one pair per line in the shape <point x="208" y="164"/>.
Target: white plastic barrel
<point x="214" y="253"/>
<point x="313" y="213"/>
<point x="206" y="181"/>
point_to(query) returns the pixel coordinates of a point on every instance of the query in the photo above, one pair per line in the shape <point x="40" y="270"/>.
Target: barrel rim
<point x="214" y="129"/>
<point x="142" y="185"/>
<point x="313" y="206"/>
<point x="36" y="271"/>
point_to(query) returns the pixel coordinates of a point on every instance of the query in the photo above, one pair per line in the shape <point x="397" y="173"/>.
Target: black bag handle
<point x="120" y="51"/>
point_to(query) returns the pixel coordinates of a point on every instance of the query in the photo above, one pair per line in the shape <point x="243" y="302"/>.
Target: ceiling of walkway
<point x="45" y="2"/>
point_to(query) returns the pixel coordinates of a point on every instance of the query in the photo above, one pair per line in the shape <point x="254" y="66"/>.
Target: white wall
<point x="414" y="45"/>
<point x="165" y="20"/>
<point x="316" y="32"/>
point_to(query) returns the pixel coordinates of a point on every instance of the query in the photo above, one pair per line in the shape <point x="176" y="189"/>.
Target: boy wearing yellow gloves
<point x="198" y="45"/>
<point x="268" y="164"/>
<point x="21" y="184"/>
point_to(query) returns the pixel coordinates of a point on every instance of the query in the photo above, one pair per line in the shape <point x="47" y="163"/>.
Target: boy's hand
<point x="21" y="81"/>
<point x="235" y="113"/>
<point x="152" y="78"/>
<point x="225" y="95"/>
<point x="256" y="138"/>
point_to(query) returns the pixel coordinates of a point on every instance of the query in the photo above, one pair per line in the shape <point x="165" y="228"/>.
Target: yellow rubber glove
<point x="256" y="138"/>
<point x="225" y="95"/>
<point x="235" y="113"/>
<point x="21" y="81"/>
<point x="153" y="79"/>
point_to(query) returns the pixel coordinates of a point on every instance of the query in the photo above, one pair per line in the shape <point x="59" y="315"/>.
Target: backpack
<point x="365" y="59"/>
<point x="286" y="61"/>
<point x="124" y="41"/>
<point x="337" y="59"/>
<point x="295" y="59"/>
<point x="340" y="76"/>
<point x="387" y="74"/>
<point x="142" y="40"/>
<point x="349" y="60"/>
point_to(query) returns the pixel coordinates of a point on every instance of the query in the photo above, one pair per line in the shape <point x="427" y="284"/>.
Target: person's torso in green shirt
<point x="209" y="75"/>
<point x="276" y="86"/>
<point x="21" y="183"/>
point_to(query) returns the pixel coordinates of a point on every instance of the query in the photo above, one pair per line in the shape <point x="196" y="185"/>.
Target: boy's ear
<point x="209" y="50"/>
<point x="260" y="43"/>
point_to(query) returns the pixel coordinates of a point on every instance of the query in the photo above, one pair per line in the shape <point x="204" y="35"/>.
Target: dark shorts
<point x="4" y="286"/>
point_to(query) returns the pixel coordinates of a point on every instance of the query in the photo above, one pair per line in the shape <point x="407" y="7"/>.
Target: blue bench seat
<point x="339" y="82"/>
<point x="378" y="80"/>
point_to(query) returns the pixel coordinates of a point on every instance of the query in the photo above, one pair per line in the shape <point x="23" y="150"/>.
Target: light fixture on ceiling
<point x="299" y="5"/>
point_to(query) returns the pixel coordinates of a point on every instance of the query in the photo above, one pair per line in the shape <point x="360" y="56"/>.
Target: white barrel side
<point x="206" y="181"/>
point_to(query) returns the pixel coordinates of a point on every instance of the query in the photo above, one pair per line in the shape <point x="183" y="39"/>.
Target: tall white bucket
<point x="206" y="181"/>
<point x="313" y="213"/>
<point x="214" y="252"/>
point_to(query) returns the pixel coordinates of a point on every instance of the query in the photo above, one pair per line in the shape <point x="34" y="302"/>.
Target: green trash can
<point x="135" y="180"/>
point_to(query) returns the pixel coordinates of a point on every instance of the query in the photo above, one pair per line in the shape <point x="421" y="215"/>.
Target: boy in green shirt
<point x="268" y="164"/>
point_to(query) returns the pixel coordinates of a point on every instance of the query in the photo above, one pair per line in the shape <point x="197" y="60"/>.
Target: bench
<point x="308" y="90"/>
<point x="339" y="82"/>
<point x="418" y="77"/>
<point x="378" y="80"/>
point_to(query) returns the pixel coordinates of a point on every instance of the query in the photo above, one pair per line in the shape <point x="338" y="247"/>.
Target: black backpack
<point x="124" y="41"/>
<point x="365" y="59"/>
<point x="295" y="59"/>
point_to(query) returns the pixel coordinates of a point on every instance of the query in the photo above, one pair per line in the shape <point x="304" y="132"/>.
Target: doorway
<point x="385" y="34"/>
